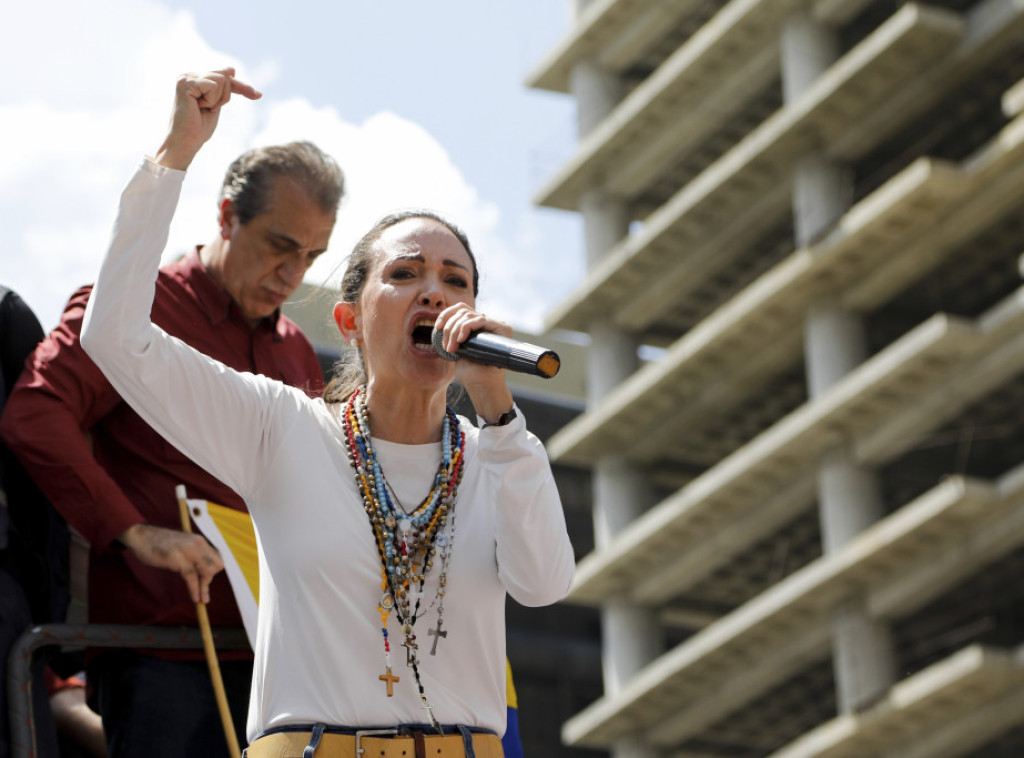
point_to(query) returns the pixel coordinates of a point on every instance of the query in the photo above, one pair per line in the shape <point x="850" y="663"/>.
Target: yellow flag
<point x="231" y="532"/>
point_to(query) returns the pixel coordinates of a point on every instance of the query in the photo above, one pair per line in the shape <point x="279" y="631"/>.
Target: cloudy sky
<point x="422" y="103"/>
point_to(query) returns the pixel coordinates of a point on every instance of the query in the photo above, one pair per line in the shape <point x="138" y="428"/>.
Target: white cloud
<point x="76" y="120"/>
<point x="79" y="118"/>
<point x="390" y="163"/>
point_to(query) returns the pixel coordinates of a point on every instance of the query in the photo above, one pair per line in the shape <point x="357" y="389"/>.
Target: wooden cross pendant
<point x="390" y="679"/>
<point x="436" y="634"/>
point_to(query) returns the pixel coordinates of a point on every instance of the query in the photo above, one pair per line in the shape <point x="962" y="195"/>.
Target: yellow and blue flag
<point x="511" y="741"/>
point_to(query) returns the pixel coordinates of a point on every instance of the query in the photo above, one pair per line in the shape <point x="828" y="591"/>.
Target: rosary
<point x="407" y="543"/>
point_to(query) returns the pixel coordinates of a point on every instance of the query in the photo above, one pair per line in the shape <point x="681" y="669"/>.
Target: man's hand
<point x="198" y="99"/>
<point x="187" y="554"/>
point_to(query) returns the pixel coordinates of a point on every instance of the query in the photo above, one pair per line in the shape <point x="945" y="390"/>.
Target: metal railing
<point x="19" y="661"/>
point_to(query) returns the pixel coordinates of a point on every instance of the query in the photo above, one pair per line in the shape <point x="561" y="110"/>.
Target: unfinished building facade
<point x="803" y="223"/>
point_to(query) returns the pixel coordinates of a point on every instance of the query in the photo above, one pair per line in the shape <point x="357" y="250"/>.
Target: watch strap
<point x="503" y="420"/>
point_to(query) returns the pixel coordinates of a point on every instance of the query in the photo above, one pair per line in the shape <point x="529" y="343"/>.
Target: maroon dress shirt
<point x="63" y="405"/>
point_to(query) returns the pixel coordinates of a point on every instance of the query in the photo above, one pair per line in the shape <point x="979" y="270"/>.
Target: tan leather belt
<point x="385" y="743"/>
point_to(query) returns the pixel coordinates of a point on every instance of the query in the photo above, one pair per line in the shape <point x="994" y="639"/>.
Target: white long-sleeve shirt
<point x="319" y="647"/>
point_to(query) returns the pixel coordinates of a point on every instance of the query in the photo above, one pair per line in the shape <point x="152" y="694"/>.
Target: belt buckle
<point x="393" y="732"/>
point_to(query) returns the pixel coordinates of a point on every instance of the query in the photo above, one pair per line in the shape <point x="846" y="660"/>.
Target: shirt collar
<point x="215" y="300"/>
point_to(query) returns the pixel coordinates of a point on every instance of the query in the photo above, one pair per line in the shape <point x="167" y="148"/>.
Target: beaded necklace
<point x="406" y="542"/>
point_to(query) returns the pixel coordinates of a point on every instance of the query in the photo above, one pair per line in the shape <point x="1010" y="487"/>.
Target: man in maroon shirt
<point x="113" y="478"/>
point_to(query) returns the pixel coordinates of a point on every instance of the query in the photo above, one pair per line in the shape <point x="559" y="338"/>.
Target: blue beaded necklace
<point x="406" y="542"/>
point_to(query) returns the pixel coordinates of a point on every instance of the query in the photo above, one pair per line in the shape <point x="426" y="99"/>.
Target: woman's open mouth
<point x="422" y="336"/>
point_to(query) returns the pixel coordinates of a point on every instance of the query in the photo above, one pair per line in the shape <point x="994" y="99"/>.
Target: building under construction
<point x="804" y="421"/>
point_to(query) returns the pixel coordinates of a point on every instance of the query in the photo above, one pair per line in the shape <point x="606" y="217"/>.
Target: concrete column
<point x="605" y="224"/>
<point x="808" y="49"/>
<point x="864" y="660"/>
<point x="620" y="494"/>
<point x="835" y="344"/>
<point x="630" y="636"/>
<point x="821" y="193"/>
<point x="596" y="91"/>
<point x="850" y="499"/>
<point x="849" y="496"/>
<point x="578" y="6"/>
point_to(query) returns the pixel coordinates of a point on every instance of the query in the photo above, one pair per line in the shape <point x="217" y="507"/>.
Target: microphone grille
<point x="437" y="337"/>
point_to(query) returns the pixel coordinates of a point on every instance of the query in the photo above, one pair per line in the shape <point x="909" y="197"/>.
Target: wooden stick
<point x="211" y="653"/>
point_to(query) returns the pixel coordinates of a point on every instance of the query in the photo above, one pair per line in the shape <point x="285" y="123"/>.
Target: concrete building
<point x="809" y="509"/>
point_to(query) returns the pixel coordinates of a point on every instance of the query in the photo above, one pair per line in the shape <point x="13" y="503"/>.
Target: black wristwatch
<point x="503" y="419"/>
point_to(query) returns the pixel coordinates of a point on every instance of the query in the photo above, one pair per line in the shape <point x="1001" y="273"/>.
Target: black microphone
<point x="504" y="352"/>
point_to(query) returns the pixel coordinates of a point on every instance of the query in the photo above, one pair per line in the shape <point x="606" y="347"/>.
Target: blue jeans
<point x="166" y="709"/>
